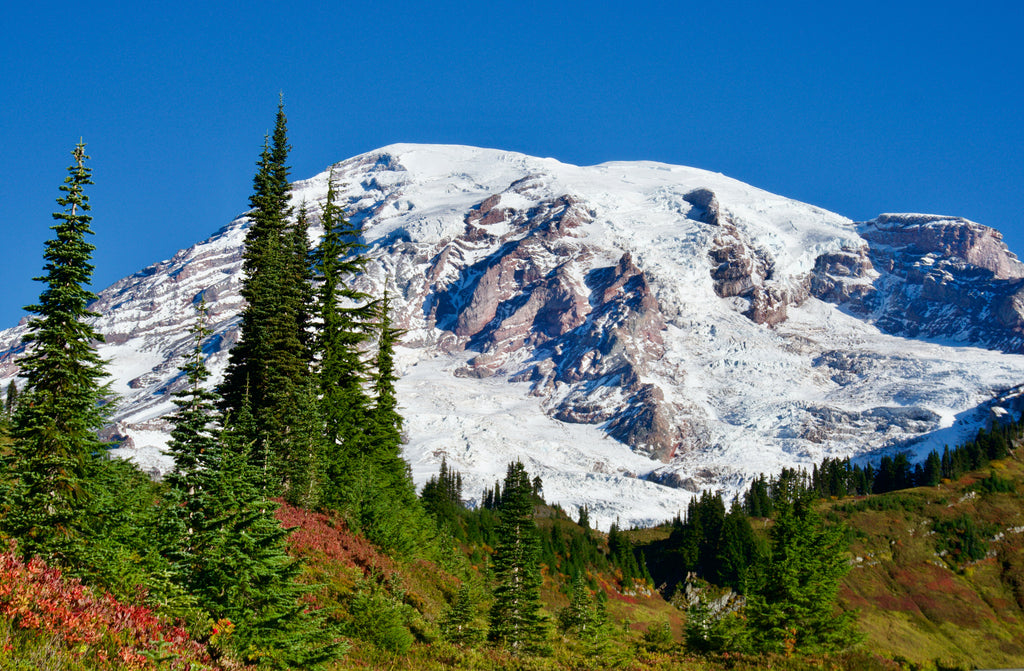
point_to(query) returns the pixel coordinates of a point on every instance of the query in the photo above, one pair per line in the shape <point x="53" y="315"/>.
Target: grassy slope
<point x="919" y="606"/>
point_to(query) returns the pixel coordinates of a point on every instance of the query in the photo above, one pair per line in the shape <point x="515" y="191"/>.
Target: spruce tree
<point x="61" y="408"/>
<point x="458" y="621"/>
<point x="515" y="618"/>
<point x="11" y="401"/>
<point x="241" y="572"/>
<point x="385" y="421"/>
<point x="195" y="448"/>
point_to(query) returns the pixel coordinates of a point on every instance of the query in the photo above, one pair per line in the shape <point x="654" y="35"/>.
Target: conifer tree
<point x="458" y="621"/>
<point x="194" y="446"/>
<point x="385" y="420"/>
<point x="61" y="408"/>
<point x="515" y="618"/>
<point x="346" y="316"/>
<point x="11" y="401"/>
<point x="270" y="365"/>
<point x="790" y="604"/>
<point x="242" y="572"/>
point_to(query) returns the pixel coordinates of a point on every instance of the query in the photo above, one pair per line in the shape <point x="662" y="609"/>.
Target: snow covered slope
<point x="633" y="331"/>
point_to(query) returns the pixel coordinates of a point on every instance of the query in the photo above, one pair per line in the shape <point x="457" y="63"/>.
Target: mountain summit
<point x="633" y="331"/>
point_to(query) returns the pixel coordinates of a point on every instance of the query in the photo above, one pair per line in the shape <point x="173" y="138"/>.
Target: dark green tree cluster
<point x="225" y="546"/>
<point x="205" y="543"/>
<point x="839" y="477"/>
<point x="322" y="420"/>
<point x="790" y="589"/>
<point x="442" y="495"/>
<point x="623" y="555"/>
<point x="269" y="367"/>
<point x="791" y="595"/>
<point x="717" y="546"/>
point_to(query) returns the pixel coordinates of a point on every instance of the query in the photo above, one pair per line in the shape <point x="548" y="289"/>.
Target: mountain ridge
<point x="614" y="325"/>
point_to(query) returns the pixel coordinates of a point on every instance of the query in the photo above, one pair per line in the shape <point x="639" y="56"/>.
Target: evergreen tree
<point x="737" y="550"/>
<point x="295" y="423"/>
<point x="442" y="495"/>
<point x="790" y="604"/>
<point x="932" y="473"/>
<point x="246" y="375"/>
<point x="195" y="448"/>
<point x="242" y="572"/>
<point x="515" y="618"/>
<point x="385" y="421"/>
<point x="581" y="618"/>
<point x="55" y="424"/>
<point x="346" y="316"/>
<point x="458" y="621"/>
<point x="269" y="367"/>
<point x="585" y="516"/>
<point x="11" y="402"/>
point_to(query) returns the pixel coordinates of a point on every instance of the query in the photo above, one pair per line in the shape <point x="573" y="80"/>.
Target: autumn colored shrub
<point x="315" y="535"/>
<point x="96" y="628"/>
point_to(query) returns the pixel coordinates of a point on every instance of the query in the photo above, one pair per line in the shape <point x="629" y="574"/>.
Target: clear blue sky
<point x="860" y="108"/>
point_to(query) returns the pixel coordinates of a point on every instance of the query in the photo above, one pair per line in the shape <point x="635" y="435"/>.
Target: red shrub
<point x="34" y="596"/>
<point x="317" y="536"/>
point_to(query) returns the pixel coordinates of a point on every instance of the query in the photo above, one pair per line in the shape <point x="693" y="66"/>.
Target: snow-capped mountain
<point x="634" y="332"/>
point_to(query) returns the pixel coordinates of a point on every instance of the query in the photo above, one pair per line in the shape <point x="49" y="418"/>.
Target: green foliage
<point x="717" y="546"/>
<point x="707" y="632"/>
<point x="790" y="601"/>
<point x="11" y="399"/>
<point x="227" y="547"/>
<point x="458" y="623"/>
<point x="582" y="617"/>
<point x="346" y="318"/>
<point x="962" y="539"/>
<point x="54" y="427"/>
<point x="269" y="368"/>
<point x="658" y="638"/>
<point x="515" y="618"/>
<point x="442" y="495"/>
<point x="381" y="619"/>
<point x="994" y="484"/>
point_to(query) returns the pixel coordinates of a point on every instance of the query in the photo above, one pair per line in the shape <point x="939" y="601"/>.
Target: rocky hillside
<point x="633" y="331"/>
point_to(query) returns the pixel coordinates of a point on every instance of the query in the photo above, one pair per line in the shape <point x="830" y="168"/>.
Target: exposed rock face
<point x="744" y="270"/>
<point x="930" y="276"/>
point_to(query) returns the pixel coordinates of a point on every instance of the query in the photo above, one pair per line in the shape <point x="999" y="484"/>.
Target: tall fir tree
<point x="226" y="546"/>
<point x="346" y="319"/>
<point x="269" y="367"/>
<point x="385" y="420"/>
<point x="194" y="446"/>
<point x="515" y="618"/>
<point x="11" y="401"/>
<point x="61" y="408"/>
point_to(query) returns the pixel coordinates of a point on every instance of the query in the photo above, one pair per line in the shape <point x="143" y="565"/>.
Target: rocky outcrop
<point x="741" y="269"/>
<point x="930" y="276"/>
<point x="535" y="308"/>
<point x="951" y="238"/>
